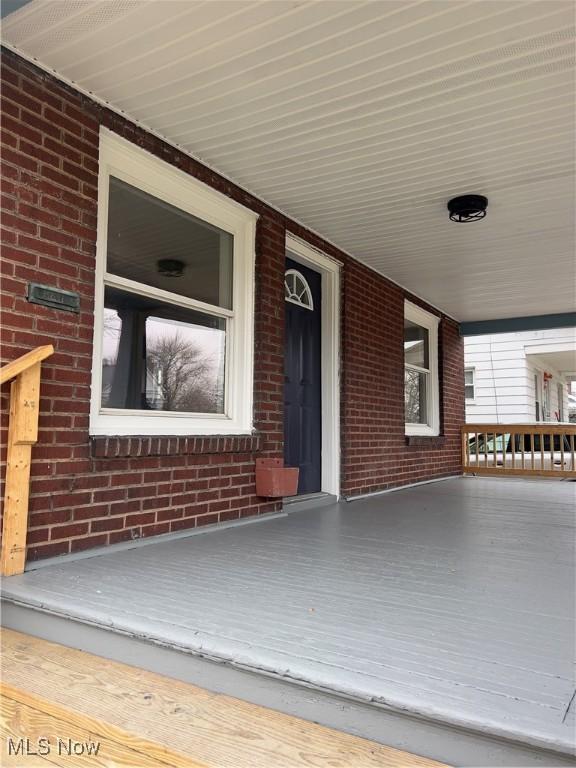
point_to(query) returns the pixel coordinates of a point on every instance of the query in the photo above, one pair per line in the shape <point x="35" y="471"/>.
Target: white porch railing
<point x="545" y="449"/>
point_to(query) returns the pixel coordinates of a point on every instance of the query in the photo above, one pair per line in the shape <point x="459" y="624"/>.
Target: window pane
<point x="415" y="383"/>
<point x="469" y="376"/>
<point x="156" y="356"/>
<point x="157" y="244"/>
<point x="469" y="392"/>
<point x="415" y="345"/>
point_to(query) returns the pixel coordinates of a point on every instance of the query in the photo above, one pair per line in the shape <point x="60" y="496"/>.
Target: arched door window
<point x="296" y="289"/>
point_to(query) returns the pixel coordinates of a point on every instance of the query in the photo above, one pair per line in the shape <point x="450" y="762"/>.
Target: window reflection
<point x="415" y="396"/>
<point x="156" y="356"/>
<point x="157" y="244"/>
<point x="416" y="344"/>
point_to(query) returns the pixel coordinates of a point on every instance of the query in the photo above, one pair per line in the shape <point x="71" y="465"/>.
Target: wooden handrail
<point x="22" y="434"/>
<point x="14" y="368"/>
<point x="541" y="428"/>
<point x="544" y="449"/>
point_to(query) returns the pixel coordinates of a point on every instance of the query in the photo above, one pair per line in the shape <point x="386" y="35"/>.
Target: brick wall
<point x="86" y="493"/>
<point x="376" y="452"/>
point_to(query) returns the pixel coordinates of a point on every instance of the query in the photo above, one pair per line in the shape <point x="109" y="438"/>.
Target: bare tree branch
<point x="182" y="375"/>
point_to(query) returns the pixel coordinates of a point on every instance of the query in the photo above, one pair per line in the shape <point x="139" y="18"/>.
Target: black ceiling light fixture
<point x="171" y="267"/>
<point x="467" y="208"/>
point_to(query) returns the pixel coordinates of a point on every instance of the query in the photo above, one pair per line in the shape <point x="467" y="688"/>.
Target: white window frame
<point x="470" y="400"/>
<point x="133" y="165"/>
<point x="429" y="321"/>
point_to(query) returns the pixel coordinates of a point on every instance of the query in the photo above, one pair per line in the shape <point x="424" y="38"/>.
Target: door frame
<point x="329" y="269"/>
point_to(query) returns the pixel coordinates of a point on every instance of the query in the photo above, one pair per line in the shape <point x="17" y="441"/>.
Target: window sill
<point x="421" y="430"/>
<point x="115" y="447"/>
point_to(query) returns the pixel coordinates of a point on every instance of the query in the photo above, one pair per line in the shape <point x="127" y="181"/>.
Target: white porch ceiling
<point x="360" y="119"/>
<point x="563" y="361"/>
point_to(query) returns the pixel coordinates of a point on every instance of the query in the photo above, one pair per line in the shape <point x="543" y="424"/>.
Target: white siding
<point x="500" y="380"/>
<point x="504" y="370"/>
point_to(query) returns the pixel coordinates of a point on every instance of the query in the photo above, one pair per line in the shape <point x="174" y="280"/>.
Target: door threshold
<point x="308" y="501"/>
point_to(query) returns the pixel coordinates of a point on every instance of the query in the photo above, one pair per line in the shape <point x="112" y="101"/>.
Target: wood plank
<point x="17" y="490"/>
<point x="509" y="473"/>
<point x="15" y="367"/>
<point x="543" y="428"/>
<point x="212" y="729"/>
<point x="22" y="434"/>
<point x="513" y="454"/>
<point x="465" y="457"/>
<point x="26" y="393"/>
<point x="61" y="741"/>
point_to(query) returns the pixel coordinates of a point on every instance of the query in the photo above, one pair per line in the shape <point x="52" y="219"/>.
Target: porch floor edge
<point x="430" y="734"/>
<point x="408" y="486"/>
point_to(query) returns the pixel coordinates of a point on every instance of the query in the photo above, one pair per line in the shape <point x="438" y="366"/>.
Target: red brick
<point x="155" y="530"/>
<point x="41" y="551"/>
<point x="141" y="518"/>
<point x="79" y="545"/>
<point x="49" y="518"/>
<point x="69" y="531"/>
<point x="108" y="524"/>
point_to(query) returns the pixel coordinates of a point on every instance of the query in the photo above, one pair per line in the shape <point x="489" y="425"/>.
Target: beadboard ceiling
<point x="360" y="120"/>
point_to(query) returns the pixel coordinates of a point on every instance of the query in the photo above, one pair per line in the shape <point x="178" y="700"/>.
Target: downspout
<point x="494" y="382"/>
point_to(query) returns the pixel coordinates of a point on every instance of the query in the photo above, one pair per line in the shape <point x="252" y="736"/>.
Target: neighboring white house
<point x="519" y="377"/>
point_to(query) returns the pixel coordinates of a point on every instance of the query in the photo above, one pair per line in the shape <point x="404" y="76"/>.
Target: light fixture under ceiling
<point x="467" y="208"/>
<point x="171" y="267"/>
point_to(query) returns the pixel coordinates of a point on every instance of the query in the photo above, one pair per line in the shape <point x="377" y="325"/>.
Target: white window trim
<point x="470" y="400"/>
<point x="429" y="321"/>
<point x="124" y="160"/>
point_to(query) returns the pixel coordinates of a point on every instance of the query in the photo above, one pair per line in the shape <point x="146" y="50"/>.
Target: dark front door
<point x="302" y="388"/>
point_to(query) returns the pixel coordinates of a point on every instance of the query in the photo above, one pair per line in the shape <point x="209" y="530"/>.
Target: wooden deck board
<point x="145" y="719"/>
<point x="61" y="741"/>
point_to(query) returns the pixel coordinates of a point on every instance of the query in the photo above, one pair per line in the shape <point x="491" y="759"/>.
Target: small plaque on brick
<point x="56" y="298"/>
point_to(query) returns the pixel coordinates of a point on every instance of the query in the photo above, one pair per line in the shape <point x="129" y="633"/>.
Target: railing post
<point x="464" y="434"/>
<point x="22" y="434"/>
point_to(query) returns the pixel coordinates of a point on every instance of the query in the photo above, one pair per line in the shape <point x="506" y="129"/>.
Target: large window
<point x="421" y="407"/>
<point x="174" y="302"/>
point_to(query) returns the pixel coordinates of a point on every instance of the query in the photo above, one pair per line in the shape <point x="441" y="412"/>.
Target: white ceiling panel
<point x="361" y="120"/>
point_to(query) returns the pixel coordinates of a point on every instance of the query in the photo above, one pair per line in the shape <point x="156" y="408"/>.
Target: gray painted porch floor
<point x="453" y="600"/>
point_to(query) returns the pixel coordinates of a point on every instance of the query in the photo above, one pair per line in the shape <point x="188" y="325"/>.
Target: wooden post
<point x="22" y="434"/>
<point x="465" y="459"/>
